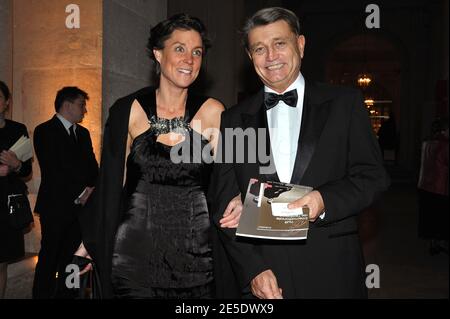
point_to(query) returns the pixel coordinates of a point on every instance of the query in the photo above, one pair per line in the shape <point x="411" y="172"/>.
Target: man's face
<point x="276" y="53"/>
<point x="77" y="109"/>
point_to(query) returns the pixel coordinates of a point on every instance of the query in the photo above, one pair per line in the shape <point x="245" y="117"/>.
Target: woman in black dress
<point x="156" y="229"/>
<point x="12" y="171"/>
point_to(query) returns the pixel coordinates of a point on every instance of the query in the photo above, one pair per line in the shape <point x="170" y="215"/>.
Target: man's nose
<point x="271" y="54"/>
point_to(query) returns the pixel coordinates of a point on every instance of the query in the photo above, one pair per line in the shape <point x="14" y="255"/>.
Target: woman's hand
<point x="4" y="170"/>
<point x="232" y="213"/>
<point x="10" y="159"/>
<point x="82" y="252"/>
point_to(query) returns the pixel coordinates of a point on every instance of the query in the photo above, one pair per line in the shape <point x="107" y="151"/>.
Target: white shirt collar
<point x="67" y="124"/>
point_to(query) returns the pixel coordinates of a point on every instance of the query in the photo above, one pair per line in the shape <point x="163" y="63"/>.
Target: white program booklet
<point x="23" y="149"/>
<point x="265" y="214"/>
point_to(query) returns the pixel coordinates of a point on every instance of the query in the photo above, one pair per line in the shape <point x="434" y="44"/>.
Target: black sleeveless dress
<point x="11" y="240"/>
<point x="162" y="247"/>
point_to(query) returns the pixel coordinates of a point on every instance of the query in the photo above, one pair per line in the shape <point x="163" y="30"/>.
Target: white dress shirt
<point x="67" y="124"/>
<point x="284" y="129"/>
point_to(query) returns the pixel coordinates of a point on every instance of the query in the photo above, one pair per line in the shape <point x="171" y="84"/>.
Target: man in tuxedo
<point x="68" y="173"/>
<point x="317" y="135"/>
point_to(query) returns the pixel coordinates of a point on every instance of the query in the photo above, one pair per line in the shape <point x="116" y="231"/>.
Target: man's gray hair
<point x="267" y="16"/>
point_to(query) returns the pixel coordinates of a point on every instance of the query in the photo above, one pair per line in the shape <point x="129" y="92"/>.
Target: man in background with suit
<point x="320" y="136"/>
<point x="68" y="173"/>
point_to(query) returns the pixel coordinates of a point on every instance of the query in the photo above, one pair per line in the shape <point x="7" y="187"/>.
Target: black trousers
<point x="60" y="239"/>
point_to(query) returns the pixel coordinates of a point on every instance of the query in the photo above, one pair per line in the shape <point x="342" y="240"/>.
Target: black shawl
<point x="101" y="216"/>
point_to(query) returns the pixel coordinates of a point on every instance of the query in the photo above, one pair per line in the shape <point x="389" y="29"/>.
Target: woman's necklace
<point x="159" y="125"/>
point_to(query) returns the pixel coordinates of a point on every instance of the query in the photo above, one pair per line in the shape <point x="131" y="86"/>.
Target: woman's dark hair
<point x="163" y="30"/>
<point x="267" y="16"/>
<point x="5" y="90"/>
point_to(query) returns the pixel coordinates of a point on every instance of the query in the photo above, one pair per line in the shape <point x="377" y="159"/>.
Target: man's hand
<point x="4" y="170"/>
<point x="265" y="286"/>
<point x="232" y="213"/>
<point x="10" y="158"/>
<point x="85" y="197"/>
<point x="314" y="201"/>
<point x="82" y="252"/>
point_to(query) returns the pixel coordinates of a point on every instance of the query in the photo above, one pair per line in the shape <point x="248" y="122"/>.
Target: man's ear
<point x="249" y="54"/>
<point x="301" y="42"/>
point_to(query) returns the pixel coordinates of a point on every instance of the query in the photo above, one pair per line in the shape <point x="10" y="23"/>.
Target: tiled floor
<point x="389" y="235"/>
<point x="407" y="270"/>
<point x="19" y="287"/>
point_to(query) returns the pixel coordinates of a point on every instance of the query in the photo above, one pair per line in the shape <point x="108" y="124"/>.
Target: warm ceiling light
<point x="364" y="80"/>
<point x="369" y="102"/>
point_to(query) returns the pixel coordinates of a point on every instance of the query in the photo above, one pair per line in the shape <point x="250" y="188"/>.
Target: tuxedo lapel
<point x="255" y="118"/>
<point x="251" y="117"/>
<point x="67" y="142"/>
<point x="315" y="115"/>
<point x="61" y="131"/>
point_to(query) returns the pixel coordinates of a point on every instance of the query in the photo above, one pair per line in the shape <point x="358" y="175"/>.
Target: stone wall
<point x="49" y="56"/>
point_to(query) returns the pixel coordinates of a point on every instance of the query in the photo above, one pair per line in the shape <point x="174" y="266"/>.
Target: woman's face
<point x="3" y="103"/>
<point x="181" y="58"/>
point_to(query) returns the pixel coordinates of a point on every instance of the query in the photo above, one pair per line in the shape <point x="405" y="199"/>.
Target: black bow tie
<point x="271" y="99"/>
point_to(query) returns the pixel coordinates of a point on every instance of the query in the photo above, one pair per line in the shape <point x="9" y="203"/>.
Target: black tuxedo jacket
<point x="66" y="168"/>
<point x="337" y="155"/>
